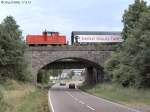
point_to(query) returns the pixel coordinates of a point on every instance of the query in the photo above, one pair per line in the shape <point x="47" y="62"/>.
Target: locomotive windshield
<point x="50" y="33"/>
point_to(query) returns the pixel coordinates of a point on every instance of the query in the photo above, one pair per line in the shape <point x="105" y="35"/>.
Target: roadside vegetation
<point x="20" y="97"/>
<point x="127" y="72"/>
<point x="113" y="92"/>
<point x="16" y="92"/>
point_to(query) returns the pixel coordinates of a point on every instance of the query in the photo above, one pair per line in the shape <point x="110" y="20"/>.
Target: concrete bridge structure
<point x="92" y="58"/>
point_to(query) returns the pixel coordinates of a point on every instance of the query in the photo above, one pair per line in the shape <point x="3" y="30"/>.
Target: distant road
<point x="63" y="99"/>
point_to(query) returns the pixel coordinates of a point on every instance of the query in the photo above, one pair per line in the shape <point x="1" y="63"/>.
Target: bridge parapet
<point x="73" y="48"/>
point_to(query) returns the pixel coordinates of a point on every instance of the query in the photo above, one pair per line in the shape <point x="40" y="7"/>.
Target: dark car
<point x="72" y="86"/>
<point x="62" y="84"/>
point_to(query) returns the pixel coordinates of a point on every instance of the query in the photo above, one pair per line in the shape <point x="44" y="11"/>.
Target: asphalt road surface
<point x="62" y="99"/>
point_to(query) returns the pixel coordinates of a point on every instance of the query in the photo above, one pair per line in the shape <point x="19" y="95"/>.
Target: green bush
<point x="3" y="105"/>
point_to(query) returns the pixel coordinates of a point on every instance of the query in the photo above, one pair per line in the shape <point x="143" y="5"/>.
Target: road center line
<point x="90" y="107"/>
<point x="81" y="102"/>
<point x="76" y="99"/>
<point x="70" y="94"/>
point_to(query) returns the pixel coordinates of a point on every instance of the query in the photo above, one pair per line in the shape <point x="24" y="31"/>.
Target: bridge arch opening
<point x="93" y="72"/>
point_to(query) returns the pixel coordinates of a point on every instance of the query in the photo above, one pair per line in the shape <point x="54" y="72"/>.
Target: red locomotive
<point x="47" y="38"/>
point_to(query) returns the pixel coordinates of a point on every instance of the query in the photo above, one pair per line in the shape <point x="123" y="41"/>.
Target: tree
<point x="130" y="65"/>
<point x="132" y="16"/>
<point x="11" y="26"/>
<point x="71" y="74"/>
<point x="44" y="74"/>
<point x="12" y="48"/>
<point x="141" y="60"/>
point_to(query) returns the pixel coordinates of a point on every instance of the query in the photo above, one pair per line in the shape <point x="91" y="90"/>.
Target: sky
<point x="66" y="16"/>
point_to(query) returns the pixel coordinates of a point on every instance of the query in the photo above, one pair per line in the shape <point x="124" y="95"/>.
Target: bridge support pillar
<point x="100" y="75"/>
<point x="94" y="75"/>
<point x="34" y="78"/>
<point x="89" y="76"/>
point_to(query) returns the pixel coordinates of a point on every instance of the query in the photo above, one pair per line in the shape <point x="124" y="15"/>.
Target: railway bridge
<point x="92" y="58"/>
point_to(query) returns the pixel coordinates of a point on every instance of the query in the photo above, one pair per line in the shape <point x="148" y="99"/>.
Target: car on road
<point x="72" y="86"/>
<point x="62" y="84"/>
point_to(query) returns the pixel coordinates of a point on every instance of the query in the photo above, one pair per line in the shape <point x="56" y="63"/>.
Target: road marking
<point x="81" y="102"/>
<point x="70" y="94"/>
<point x="90" y="107"/>
<point x="76" y="99"/>
<point x="117" y="104"/>
<point x="50" y="101"/>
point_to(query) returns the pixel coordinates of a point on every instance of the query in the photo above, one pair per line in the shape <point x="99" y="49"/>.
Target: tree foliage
<point x="130" y="65"/>
<point x="132" y="16"/>
<point x="71" y="74"/>
<point x="12" y="48"/>
<point x="3" y="105"/>
<point x="44" y="74"/>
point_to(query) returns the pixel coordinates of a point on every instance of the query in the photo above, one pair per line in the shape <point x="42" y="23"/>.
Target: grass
<point x="127" y="96"/>
<point x="20" y="97"/>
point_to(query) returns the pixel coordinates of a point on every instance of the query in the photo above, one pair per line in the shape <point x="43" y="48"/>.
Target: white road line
<point x="76" y="99"/>
<point x="50" y="101"/>
<point x="70" y="94"/>
<point x="117" y="104"/>
<point x="81" y="102"/>
<point x="90" y="107"/>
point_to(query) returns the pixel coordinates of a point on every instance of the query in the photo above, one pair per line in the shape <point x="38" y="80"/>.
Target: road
<point x="62" y="99"/>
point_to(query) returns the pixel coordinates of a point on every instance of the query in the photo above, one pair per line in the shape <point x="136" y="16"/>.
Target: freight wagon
<point x="95" y="37"/>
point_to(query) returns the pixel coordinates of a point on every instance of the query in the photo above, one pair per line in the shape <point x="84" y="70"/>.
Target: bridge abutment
<point x="94" y="75"/>
<point x="34" y="77"/>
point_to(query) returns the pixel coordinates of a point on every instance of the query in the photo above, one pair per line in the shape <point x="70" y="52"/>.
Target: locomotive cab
<point x="48" y="33"/>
